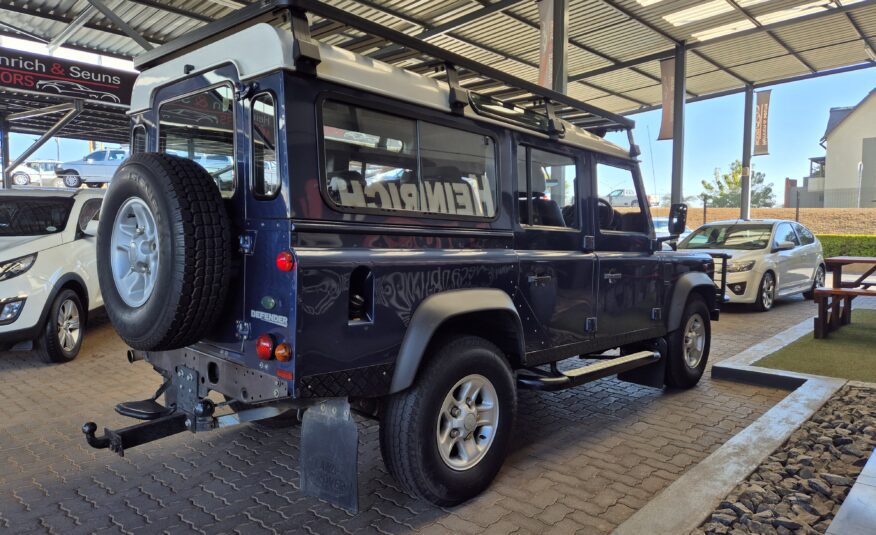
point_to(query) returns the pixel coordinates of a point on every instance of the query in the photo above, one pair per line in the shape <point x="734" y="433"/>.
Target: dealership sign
<point x="60" y="77"/>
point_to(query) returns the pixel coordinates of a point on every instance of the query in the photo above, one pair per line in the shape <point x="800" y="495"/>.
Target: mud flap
<point x="330" y="454"/>
<point x="653" y="375"/>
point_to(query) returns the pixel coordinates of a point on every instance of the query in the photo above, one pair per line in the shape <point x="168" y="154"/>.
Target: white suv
<point x="95" y="169"/>
<point x="48" y="269"/>
<point x="36" y="173"/>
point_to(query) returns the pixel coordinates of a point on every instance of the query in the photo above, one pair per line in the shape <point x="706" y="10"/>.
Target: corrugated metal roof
<point x="602" y="34"/>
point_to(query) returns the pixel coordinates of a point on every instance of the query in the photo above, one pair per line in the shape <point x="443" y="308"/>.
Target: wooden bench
<point x="835" y="307"/>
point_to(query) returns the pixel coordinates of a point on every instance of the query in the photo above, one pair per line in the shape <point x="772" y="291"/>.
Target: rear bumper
<point x="218" y="374"/>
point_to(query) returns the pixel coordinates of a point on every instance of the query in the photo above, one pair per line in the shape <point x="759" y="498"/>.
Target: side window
<point x="619" y="205"/>
<point x="806" y="236"/>
<point x="138" y="140"/>
<point x="200" y="127"/>
<point x="265" y="177"/>
<point x="97" y="156"/>
<point x="375" y="160"/>
<point x="547" y="188"/>
<point x="785" y="232"/>
<point x="117" y="155"/>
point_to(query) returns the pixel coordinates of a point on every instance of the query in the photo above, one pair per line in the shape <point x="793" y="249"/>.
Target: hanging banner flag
<point x="667" y="78"/>
<point x="546" y="43"/>
<point x="761" y="124"/>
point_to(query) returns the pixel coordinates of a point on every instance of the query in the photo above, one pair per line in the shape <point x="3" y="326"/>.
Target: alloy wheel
<point x="768" y="291"/>
<point x="467" y="422"/>
<point x="694" y="340"/>
<point x="68" y="325"/>
<point x="135" y="252"/>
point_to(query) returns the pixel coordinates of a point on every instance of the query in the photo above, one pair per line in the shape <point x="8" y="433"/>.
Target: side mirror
<point x="785" y="246"/>
<point x="677" y="219"/>
<point x="88" y="230"/>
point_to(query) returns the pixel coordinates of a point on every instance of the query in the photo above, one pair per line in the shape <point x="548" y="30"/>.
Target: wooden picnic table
<point x="835" y="304"/>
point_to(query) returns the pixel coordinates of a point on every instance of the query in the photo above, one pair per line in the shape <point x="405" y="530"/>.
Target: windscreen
<point x="33" y="216"/>
<point x="743" y="237"/>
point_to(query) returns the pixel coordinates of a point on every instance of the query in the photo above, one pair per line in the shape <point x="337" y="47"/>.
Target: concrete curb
<point x="690" y="499"/>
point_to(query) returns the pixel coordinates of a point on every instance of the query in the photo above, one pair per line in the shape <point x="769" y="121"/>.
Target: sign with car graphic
<point x="61" y="77"/>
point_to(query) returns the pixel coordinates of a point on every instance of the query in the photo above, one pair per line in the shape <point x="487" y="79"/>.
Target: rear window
<point x="33" y="216"/>
<point x="375" y="161"/>
<point x="200" y="127"/>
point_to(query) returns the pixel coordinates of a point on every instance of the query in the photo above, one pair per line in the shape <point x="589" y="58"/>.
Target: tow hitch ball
<point x="119" y="440"/>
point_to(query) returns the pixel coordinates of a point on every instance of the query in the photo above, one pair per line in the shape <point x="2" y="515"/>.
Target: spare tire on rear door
<point x="163" y="251"/>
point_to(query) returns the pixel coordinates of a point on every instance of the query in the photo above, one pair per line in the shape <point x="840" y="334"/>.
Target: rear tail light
<point x="265" y="347"/>
<point x="285" y="261"/>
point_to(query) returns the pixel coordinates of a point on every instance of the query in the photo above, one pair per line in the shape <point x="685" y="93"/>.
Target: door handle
<point x="612" y="277"/>
<point x="539" y="279"/>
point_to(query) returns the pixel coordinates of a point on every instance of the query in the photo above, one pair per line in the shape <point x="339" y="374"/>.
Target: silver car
<point x="94" y="169"/>
<point x="769" y="258"/>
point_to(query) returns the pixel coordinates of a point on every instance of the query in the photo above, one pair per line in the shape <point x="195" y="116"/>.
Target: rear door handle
<point x="538" y="279"/>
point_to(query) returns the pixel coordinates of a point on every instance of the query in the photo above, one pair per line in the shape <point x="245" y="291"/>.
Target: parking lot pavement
<point x="583" y="459"/>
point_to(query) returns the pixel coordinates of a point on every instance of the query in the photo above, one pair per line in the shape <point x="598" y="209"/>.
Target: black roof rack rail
<point x="555" y="103"/>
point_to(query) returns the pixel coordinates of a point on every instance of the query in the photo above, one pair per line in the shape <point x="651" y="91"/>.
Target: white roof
<point x="275" y="52"/>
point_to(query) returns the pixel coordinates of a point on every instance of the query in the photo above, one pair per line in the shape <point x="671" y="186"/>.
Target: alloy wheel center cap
<point x="469" y="422"/>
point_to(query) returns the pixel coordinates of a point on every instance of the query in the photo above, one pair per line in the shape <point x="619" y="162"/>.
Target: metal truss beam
<point x="453" y="24"/>
<point x="675" y="42"/>
<point x="757" y="24"/>
<point x="857" y="27"/>
<point x="121" y="24"/>
<point x="83" y="17"/>
<point x="737" y="90"/>
<point x="487" y="48"/>
<point x="73" y="110"/>
<point x="23" y="32"/>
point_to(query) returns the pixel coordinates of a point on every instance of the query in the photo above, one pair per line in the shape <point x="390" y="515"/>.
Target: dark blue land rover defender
<point x="303" y="231"/>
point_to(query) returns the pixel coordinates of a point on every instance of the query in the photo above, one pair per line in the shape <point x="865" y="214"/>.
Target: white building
<point x="850" y="167"/>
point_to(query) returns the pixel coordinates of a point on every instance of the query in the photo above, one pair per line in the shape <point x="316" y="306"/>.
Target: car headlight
<point x="14" y="268"/>
<point x="737" y="267"/>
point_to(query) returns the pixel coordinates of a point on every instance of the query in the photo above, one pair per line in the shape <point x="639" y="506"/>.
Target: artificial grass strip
<point x="848" y="353"/>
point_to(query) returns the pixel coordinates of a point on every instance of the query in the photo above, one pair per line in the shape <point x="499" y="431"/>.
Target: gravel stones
<point x="799" y="488"/>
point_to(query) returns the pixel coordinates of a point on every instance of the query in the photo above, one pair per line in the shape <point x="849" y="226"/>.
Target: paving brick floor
<point x="583" y="459"/>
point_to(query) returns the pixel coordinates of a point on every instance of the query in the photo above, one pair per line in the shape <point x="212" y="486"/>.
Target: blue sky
<point x="713" y="133"/>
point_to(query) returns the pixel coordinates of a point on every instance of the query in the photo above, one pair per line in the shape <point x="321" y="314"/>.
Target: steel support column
<point x="73" y="111"/>
<point x="678" y="102"/>
<point x="745" y="200"/>
<point x="4" y="151"/>
<point x="560" y="52"/>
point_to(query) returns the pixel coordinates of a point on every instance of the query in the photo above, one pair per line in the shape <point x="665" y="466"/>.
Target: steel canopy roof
<point x="614" y="52"/>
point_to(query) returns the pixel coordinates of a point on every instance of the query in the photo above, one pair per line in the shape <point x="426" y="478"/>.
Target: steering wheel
<point x="606" y="213"/>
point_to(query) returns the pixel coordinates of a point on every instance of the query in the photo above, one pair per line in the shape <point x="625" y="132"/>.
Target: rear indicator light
<point x="283" y="352"/>
<point x="285" y="374"/>
<point x="265" y="346"/>
<point x="285" y="261"/>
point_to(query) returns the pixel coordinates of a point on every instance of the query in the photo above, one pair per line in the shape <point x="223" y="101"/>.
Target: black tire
<point x="20" y="179"/>
<point x="194" y="251"/>
<point x="680" y="373"/>
<point x="764" y="301"/>
<point x="817" y="282"/>
<point x="49" y="343"/>
<point x="71" y="179"/>
<point x="281" y="421"/>
<point x="408" y="428"/>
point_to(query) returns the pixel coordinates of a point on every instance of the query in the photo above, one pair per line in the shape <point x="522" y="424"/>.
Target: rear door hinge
<point x="243" y="328"/>
<point x="656" y="314"/>
<point x="247" y="242"/>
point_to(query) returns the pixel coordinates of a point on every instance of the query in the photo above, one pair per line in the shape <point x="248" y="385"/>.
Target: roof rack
<point x="552" y="104"/>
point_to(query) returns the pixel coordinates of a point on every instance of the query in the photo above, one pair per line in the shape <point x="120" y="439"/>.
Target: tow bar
<point x="119" y="440"/>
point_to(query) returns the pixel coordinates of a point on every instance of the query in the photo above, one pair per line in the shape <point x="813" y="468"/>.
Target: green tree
<point x="725" y="189"/>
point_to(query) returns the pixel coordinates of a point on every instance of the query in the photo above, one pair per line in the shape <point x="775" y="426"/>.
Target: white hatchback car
<point x="48" y="269"/>
<point x="769" y="258"/>
<point x="36" y="173"/>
